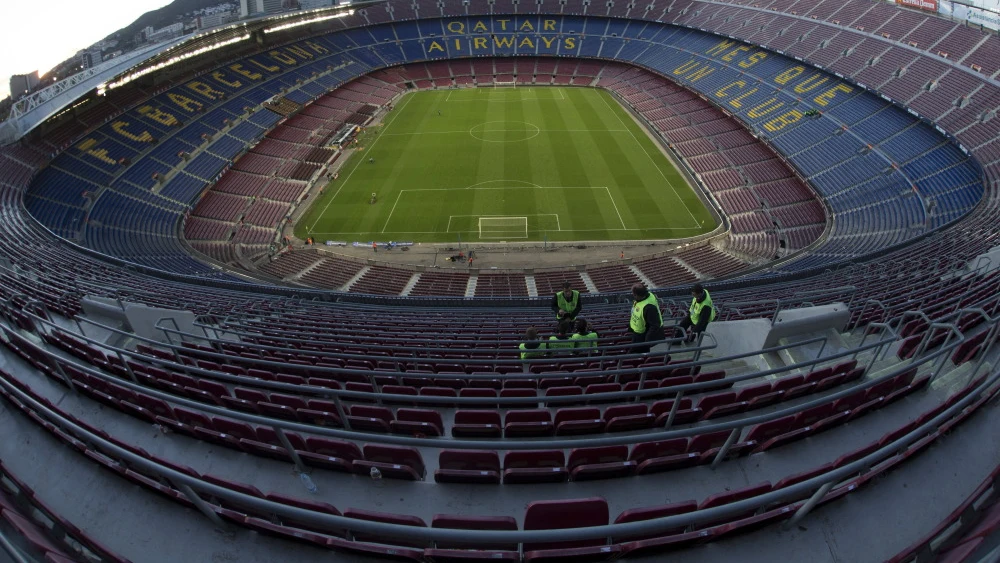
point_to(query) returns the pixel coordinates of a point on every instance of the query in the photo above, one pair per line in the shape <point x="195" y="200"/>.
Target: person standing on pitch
<point x="566" y="304"/>
<point x="700" y="313"/>
<point x="646" y="323"/>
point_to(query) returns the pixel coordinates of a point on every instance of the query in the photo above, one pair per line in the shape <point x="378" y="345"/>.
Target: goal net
<point x="505" y="84"/>
<point x="502" y="228"/>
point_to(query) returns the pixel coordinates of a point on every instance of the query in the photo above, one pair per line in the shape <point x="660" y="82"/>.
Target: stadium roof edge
<point x="33" y="110"/>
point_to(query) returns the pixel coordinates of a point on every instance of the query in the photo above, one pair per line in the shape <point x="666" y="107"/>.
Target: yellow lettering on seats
<point x="789" y="74"/>
<point x="120" y="128"/>
<point x="206" y="90"/>
<point x="317" y="47"/>
<point x="283" y="58"/>
<point x="781" y="121"/>
<point x="732" y="54"/>
<point x="238" y="69"/>
<point x="764" y="108"/>
<point x="737" y="102"/>
<point x="88" y="147"/>
<point x="720" y="47"/>
<point x="158" y="116"/>
<point x="824" y="98"/>
<point x="185" y="102"/>
<point x="219" y="77"/>
<point x="753" y="59"/>
<point x="721" y="92"/>
<point x="296" y="50"/>
<point x="272" y="68"/>
<point x="811" y="83"/>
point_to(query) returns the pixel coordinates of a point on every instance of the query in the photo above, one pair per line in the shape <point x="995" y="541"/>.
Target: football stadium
<point x="511" y="280"/>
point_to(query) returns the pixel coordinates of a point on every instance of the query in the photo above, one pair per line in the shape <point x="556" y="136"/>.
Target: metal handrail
<point x="641" y="370"/>
<point x="820" y="484"/>
<point x="561" y="355"/>
<point x="11" y="550"/>
<point x="884" y="326"/>
<point x="242" y="335"/>
<point x="504" y="444"/>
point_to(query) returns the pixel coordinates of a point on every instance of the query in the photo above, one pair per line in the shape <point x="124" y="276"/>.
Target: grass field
<point x="507" y="164"/>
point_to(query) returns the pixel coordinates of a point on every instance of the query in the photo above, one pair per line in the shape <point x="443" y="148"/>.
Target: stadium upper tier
<point x="886" y="176"/>
<point x="119" y="442"/>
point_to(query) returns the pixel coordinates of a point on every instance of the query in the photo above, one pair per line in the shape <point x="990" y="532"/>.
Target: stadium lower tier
<point x="885" y="177"/>
<point x="414" y="430"/>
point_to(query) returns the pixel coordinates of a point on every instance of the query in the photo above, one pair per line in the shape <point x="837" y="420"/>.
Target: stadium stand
<point x="426" y="400"/>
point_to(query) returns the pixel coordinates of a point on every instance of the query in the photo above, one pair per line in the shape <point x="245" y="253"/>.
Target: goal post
<point x="505" y="84"/>
<point x="502" y="228"/>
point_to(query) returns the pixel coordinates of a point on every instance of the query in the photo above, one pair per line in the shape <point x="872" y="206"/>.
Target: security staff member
<point x="646" y="322"/>
<point x="566" y="304"/>
<point x="700" y="313"/>
<point x="562" y="340"/>
<point x="532" y="347"/>
<point x="585" y="336"/>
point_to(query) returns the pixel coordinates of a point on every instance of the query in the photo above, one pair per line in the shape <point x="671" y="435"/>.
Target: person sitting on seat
<point x="532" y="347"/>
<point x="561" y="340"/>
<point x="584" y="336"/>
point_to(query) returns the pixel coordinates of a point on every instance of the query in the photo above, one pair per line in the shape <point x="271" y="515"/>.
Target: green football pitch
<point x="507" y="164"/>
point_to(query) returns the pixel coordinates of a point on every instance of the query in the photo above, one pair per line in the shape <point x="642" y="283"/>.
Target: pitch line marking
<point x="653" y="162"/>
<point x="391" y="211"/>
<point x="616" y="208"/>
<point x="360" y="160"/>
<point x="538" y="131"/>
<point x="533" y="89"/>
<point x="499" y="130"/>
<point x="563" y="230"/>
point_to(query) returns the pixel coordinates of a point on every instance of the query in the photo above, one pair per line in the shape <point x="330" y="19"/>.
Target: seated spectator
<point x="532" y="347"/>
<point x="584" y="336"/>
<point x="562" y="340"/>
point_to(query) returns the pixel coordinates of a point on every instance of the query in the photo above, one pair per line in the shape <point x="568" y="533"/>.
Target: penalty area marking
<point x="480" y="186"/>
<point x="556" y="215"/>
<point x="490" y="91"/>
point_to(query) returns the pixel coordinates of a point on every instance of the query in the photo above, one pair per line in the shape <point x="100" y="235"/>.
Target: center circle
<point x="504" y="131"/>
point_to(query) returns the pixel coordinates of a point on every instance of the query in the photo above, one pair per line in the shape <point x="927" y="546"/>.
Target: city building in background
<point x="21" y="84"/>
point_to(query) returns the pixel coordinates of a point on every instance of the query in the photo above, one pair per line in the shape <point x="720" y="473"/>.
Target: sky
<point x="37" y="35"/>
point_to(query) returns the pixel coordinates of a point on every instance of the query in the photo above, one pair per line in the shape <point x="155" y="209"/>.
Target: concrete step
<point x="642" y="277"/>
<point x="409" y="285"/>
<point x="354" y="280"/>
<point x="297" y="276"/>
<point x="470" y="288"/>
<point x="529" y="280"/>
